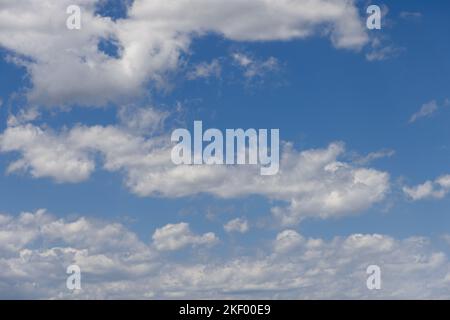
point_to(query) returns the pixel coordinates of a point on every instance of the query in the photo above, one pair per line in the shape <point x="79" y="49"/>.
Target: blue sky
<point x="316" y="93"/>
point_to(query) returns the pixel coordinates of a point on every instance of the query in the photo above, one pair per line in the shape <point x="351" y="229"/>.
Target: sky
<point x="86" y="175"/>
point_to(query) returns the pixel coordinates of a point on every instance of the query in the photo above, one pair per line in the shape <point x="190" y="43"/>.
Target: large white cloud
<point x="311" y="183"/>
<point x="67" y="67"/>
<point x="36" y="248"/>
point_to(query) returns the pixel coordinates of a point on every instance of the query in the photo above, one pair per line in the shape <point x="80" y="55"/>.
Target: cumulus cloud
<point x="311" y="183"/>
<point x="317" y="269"/>
<point x="36" y="249"/>
<point x="287" y="240"/>
<point x="45" y="154"/>
<point x="66" y="67"/>
<point x="237" y="225"/>
<point x="437" y="189"/>
<point x="176" y="236"/>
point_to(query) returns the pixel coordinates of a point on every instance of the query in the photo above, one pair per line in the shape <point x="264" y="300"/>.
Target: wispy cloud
<point x="380" y="51"/>
<point x="427" y="110"/>
<point x="206" y="70"/>
<point x="255" y="68"/>
<point x="410" y="15"/>
<point x="372" y="156"/>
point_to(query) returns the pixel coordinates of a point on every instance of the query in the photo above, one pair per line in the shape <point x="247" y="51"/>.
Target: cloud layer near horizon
<point x="36" y="248"/>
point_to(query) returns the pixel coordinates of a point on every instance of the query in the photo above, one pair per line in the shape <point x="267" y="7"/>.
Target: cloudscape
<point x="239" y="149"/>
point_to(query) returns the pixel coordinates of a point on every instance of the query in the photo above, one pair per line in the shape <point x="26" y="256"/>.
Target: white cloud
<point x="425" y="111"/>
<point x="428" y="109"/>
<point x="66" y="67"/>
<point x="444" y="182"/>
<point x="437" y="189"/>
<point x="383" y="53"/>
<point x="177" y="236"/>
<point x="380" y="50"/>
<point x="242" y="59"/>
<point x="237" y="225"/>
<point x="144" y="121"/>
<point x="318" y="269"/>
<point x="253" y="67"/>
<point x="287" y="240"/>
<point x="311" y="183"/>
<point x="69" y="156"/>
<point x="23" y="116"/>
<point x="206" y="70"/>
<point x="372" y="156"/>
<point x="46" y="155"/>
<point x="36" y="249"/>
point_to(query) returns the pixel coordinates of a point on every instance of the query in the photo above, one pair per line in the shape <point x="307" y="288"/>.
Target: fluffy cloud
<point x="67" y="67"/>
<point x="287" y="240"/>
<point x="64" y="66"/>
<point x="176" y="236"/>
<point x="437" y="189"/>
<point x="319" y="269"/>
<point x="46" y="155"/>
<point x="36" y="249"/>
<point x="237" y="225"/>
<point x="311" y="183"/>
